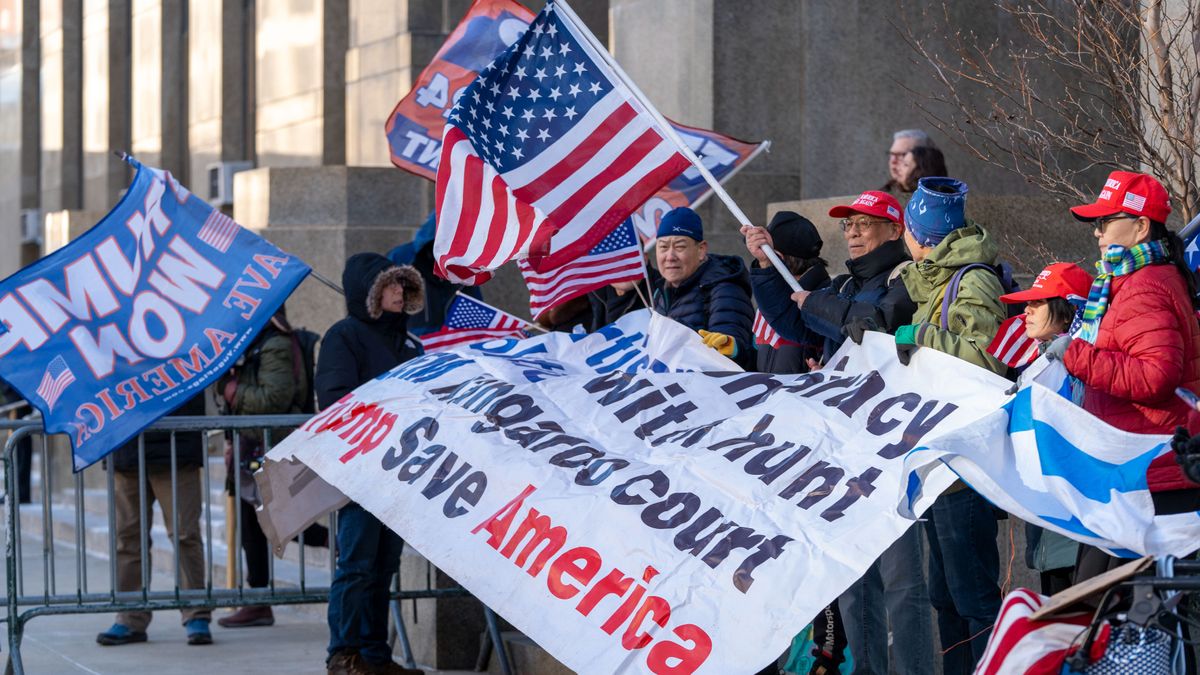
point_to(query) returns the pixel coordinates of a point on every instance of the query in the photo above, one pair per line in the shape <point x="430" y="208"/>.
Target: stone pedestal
<point x="444" y="633"/>
<point x="326" y="214"/>
<point x="1032" y="231"/>
<point x="106" y="82"/>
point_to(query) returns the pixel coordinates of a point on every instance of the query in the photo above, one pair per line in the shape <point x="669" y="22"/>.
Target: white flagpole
<point x="598" y="51"/>
<point x="764" y="146"/>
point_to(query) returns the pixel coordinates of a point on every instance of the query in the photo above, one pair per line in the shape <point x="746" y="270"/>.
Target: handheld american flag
<point x="765" y="335"/>
<point x="544" y="155"/>
<point x="618" y="257"/>
<point x="469" y="320"/>
<point x="1011" y="346"/>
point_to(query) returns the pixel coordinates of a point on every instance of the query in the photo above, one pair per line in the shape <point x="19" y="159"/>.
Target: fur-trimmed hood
<point x="365" y="277"/>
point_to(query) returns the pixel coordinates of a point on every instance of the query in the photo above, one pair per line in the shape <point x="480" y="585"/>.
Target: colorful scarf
<point x="1117" y="261"/>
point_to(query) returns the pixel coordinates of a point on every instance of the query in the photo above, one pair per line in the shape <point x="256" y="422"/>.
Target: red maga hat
<point x="1059" y="280"/>
<point x="1126" y="192"/>
<point x="872" y="203"/>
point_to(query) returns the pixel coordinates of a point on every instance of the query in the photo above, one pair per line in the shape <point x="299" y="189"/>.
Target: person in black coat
<point x="799" y="247"/>
<point x="871" y="296"/>
<point x="705" y="292"/>
<point x="370" y="341"/>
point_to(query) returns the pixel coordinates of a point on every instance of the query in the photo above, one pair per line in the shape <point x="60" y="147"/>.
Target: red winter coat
<point x="1148" y="344"/>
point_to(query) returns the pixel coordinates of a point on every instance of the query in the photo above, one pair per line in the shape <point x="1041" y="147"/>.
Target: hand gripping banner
<point x="138" y="314"/>
<point x="629" y="499"/>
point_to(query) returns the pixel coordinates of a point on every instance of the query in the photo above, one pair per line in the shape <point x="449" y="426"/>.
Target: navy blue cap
<point x="681" y="222"/>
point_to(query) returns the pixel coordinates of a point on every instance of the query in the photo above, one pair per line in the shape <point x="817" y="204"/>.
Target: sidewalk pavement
<point x="66" y="644"/>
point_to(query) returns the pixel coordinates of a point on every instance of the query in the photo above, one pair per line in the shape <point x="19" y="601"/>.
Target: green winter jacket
<point x="975" y="314"/>
<point x="266" y="385"/>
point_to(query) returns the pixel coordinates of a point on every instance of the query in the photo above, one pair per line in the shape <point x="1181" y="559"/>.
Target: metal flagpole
<point x="601" y="53"/>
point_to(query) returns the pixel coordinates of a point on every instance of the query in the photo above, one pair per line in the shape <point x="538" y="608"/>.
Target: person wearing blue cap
<point x="957" y="292"/>
<point x="706" y="292"/>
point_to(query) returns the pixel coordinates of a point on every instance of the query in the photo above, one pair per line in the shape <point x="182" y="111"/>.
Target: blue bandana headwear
<point x="936" y="209"/>
<point x="681" y="222"/>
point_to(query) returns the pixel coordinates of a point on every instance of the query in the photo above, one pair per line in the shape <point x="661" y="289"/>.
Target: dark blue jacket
<point x="865" y="292"/>
<point x="360" y="347"/>
<point x="715" y="298"/>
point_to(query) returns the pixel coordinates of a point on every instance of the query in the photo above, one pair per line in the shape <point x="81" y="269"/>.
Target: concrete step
<point x="525" y="656"/>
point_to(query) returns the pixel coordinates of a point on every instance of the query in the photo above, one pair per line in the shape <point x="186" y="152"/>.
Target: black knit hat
<point x="795" y="235"/>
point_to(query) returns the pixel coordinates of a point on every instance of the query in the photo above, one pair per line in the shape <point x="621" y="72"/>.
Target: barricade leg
<point x="497" y="644"/>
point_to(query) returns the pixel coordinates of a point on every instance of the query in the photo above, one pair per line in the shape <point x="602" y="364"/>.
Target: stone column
<point x="159" y="69"/>
<point x="721" y="65"/>
<point x="11" y="120"/>
<point x="106" y="83"/>
<point x="220" y="86"/>
<point x="300" y="83"/>
<point x="61" y="104"/>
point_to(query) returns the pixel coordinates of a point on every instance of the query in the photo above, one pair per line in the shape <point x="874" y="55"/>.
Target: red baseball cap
<point x="1059" y="280"/>
<point x="1126" y="192"/>
<point x="872" y="203"/>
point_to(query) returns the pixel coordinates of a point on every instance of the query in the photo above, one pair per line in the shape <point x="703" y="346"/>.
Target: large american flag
<point x="543" y="155"/>
<point x="1010" y="346"/>
<point x="55" y="380"/>
<point x="469" y="320"/>
<point x="618" y="257"/>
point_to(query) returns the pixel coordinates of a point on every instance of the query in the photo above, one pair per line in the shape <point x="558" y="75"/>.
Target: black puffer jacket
<point x="873" y="289"/>
<point x="369" y="341"/>
<point x="189" y="445"/>
<point x="715" y="298"/>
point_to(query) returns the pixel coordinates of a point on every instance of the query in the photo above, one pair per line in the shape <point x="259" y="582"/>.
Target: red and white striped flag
<point x="469" y="320"/>
<point x="1011" y="346"/>
<point x="618" y="257"/>
<point x="1020" y="645"/>
<point x="765" y="335"/>
<point x="544" y="154"/>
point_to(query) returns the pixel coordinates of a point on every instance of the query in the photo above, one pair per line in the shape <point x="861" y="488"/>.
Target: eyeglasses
<point x="897" y="155"/>
<point x="1102" y="223"/>
<point x="860" y="225"/>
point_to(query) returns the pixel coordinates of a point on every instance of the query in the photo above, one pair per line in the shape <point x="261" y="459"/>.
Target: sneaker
<point x="197" y="632"/>
<point x="120" y="634"/>
<point x="246" y="617"/>
<point x="345" y="663"/>
<point x="388" y="668"/>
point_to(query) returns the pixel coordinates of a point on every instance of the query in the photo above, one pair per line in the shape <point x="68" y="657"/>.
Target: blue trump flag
<point x="138" y="314"/>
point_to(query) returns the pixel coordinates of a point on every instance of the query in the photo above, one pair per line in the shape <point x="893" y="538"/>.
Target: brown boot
<point x="253" y="615"/>
<point x="346" y="663"/>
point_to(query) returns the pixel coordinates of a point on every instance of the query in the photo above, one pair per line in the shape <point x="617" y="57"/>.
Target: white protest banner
<point x="632" y="517"/>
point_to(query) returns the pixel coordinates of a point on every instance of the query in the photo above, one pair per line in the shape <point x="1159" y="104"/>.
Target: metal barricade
<point x="85" y="596"/>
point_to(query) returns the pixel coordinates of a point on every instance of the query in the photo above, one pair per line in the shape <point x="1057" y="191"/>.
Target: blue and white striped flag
<point x="1053" y="464"/>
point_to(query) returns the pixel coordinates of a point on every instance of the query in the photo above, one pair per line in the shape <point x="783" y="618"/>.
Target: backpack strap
<point x="897" y="271"/>
<point x="951" y="293"/>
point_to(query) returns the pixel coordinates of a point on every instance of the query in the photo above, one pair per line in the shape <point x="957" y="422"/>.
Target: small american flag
<point x="218" y="231"/>
<point x="765" y="335"/>
<point x="470" y="320"/>
<point x="618" y="257"/>
<point x="544" y="154"/>
<point x="57" y="378"/>
<point x="1011" y="346"/>
<point x="1019" y="644"/>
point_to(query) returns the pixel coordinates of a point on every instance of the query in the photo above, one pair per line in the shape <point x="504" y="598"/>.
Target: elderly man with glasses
<point x="870" y="296"/>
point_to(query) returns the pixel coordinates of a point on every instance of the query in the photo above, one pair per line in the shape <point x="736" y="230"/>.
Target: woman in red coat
<point x="1140" y="338"/>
